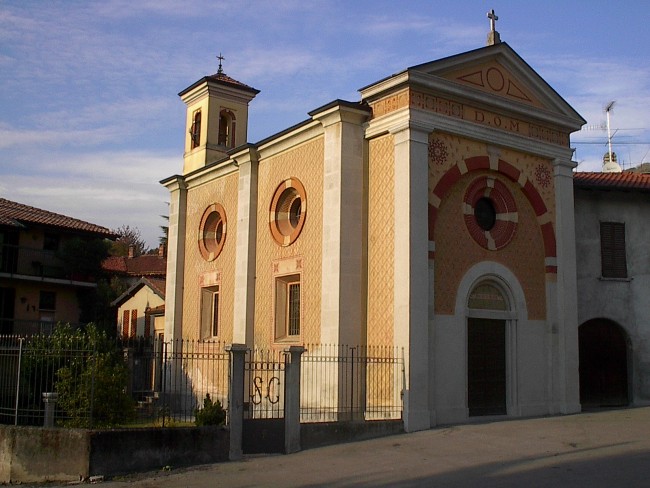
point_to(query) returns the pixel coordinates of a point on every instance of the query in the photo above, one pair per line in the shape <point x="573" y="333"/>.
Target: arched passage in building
<point x="603" y="364"/>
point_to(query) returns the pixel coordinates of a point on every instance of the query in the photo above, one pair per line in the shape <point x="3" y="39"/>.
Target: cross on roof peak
<point x="220" y="58"/>
<point x="493" y="20"/>
<point x="493" y="35"/>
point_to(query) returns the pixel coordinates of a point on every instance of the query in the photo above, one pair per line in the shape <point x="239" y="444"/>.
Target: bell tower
<point x="216" y="118"/>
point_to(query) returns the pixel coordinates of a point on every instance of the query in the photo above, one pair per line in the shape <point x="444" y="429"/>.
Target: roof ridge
<point x="22" y="212"/>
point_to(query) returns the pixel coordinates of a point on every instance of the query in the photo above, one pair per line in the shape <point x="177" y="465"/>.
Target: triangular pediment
<point x="499" y="71"/>
<point x="494" y="78"/>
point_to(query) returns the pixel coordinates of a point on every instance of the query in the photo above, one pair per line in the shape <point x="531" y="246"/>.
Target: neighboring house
<point x="131" y="268"/>
<point x="145" y="299"/>
<point x="613" y="261"/>
<point x="141" y="309"/>
<point x="38" y="287"/>
<point x="434" y="216"/>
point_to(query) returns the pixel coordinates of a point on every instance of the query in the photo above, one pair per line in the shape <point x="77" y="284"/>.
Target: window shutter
<point x="612" y="250"/>
<point x="134" y="322"/>
<point x="125" y="324"/>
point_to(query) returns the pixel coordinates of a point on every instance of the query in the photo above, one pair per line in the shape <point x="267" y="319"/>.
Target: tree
<point x="83" y="257"/>
<point x="128" y="237"/>
<point x="212" y="413"/>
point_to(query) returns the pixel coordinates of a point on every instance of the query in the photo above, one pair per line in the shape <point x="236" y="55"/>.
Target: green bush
<point x="212" y="413"/>
<point x="90" y="377"/>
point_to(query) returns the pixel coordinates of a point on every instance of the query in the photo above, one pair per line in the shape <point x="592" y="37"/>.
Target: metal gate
<point x="264" y="387"/>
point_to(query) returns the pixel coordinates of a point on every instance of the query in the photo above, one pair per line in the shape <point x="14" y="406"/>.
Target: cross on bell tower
<point x="220" y="58"/>
<point x="493" y="36"/>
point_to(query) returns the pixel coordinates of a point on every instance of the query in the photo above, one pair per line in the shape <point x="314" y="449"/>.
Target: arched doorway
<point x="486" y="351"/>
<point x="603" y="364"/>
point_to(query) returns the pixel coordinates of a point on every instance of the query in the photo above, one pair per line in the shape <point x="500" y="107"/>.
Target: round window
<point x="490" y="212"/>
<point x="212" y="232"/>
<point x="288" y="210"/>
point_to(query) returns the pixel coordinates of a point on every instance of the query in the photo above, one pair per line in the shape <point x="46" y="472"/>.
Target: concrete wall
<point x="327" y="433"/>
<point x="33" y="454"/>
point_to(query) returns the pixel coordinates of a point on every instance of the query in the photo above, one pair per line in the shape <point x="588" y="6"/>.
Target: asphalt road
<point x="598" y="449"/>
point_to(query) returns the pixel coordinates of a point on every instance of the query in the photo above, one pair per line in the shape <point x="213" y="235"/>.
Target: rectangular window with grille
<point x="293" y="312"/>
<point x="612" y="250"/>
<point x="209" y="311"/>
<point x="287" y="307"/>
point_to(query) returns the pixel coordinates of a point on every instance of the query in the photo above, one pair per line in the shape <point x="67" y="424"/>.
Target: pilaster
<point x="411" y="327"/>
<point x="244" y="307"/>
<point x="567" y="389"/>
<point x="175" y="257"/>
<point x="344" y="183"/>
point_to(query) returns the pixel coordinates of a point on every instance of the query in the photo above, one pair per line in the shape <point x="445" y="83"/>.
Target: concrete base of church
<point x="415" y="420"/>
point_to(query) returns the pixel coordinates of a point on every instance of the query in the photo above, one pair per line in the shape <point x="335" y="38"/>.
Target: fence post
<point x="236" y="400"/>
<point x="292" y="400"/>
<point x="49" y="399"/>
<point x="20" y="358"/>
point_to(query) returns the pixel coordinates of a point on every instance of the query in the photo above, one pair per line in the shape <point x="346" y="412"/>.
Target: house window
<point x="47" y="306"/>
<point x="195" y="130"/>
<point x="210" y="311"/>
<point x="287" y="307"/>
<point x="51" y="242"/>
<point x="47" y="301"/>
<point x="612" y="250"/>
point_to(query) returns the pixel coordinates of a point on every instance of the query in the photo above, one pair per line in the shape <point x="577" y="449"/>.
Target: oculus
<point x="288" y="211"/>
<point x="212" y="232"/>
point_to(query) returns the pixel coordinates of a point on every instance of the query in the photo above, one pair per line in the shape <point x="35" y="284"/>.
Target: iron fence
<point x="264" y="384"/>
<point x="82" y="383"/>
<point x="86" y="382"/>
<point x="340" y="382"/>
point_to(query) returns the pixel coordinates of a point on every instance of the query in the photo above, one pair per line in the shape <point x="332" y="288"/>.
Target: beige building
<point x="434" y="215"/>
<point x="141" y="309"/>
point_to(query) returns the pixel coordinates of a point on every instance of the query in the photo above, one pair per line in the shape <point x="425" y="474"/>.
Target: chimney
<point x="131" y="251"/>
<point x="161" y="251"/>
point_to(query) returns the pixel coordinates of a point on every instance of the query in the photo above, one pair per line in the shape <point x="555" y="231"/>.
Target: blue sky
<point x="90" y="120"/>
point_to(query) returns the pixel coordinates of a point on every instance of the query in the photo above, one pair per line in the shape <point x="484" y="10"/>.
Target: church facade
<point x="435" y="215"/>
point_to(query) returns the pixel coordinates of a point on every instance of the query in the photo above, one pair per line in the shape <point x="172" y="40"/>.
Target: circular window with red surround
<point x="288" y="211"/>
<point x="490" y="213"/>
<point x="212" y="232"/>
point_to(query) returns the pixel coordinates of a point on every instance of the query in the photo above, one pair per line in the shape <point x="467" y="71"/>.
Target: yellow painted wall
<point x="223" y="191"/>
<point x="381" y="240"/>
<point x="455" y="250"/>
<point x="304" y="162"/>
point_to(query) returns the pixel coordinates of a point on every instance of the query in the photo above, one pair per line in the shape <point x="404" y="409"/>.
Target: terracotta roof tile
<point x="612" y="181"/>
<point x="18" y="214"/>
<point x="114" y="264"/>
<point x="158" y="284"/>
<point x="145" y="265"/>
<point x="223" y="77"/>
<point x="160" y="309"/>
